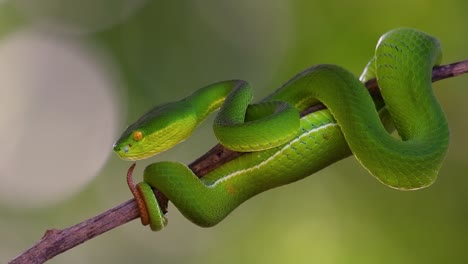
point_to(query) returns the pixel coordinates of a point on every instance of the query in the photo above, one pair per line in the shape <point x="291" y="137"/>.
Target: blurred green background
<point x="73" y="74"/>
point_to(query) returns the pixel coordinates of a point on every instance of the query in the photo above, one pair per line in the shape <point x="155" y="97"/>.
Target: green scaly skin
<point x="284" y="148"/>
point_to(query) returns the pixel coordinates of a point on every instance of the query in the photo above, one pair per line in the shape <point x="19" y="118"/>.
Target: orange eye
<point x="137" y="135"/>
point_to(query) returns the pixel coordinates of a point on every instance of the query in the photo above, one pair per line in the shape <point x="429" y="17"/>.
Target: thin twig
<point x="56" y="241"/>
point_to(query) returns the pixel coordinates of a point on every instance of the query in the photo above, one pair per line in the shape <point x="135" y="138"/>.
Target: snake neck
<point x="210" y="98"/>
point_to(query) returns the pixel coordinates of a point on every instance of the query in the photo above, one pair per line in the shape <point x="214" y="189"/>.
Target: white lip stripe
<point x="234" y="174"/>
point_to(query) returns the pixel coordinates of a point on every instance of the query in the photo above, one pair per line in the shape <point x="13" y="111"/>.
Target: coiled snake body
<point x="284" y="147"/>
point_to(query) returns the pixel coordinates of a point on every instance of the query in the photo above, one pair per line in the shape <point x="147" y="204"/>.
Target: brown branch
<point x="56" y="241"/>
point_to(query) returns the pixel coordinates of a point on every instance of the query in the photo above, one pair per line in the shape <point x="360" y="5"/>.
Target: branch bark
<point x="56" y="241"/>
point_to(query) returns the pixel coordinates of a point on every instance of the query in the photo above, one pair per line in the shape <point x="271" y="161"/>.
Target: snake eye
<point x="137" y="135"/>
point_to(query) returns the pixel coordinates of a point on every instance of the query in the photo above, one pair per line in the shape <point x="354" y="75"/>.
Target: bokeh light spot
<point x="58" y="118"/>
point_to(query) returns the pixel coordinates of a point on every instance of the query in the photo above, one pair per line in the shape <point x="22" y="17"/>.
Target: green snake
<point x="283" y="147"/>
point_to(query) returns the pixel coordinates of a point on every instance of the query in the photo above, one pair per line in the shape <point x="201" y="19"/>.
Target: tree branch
<point x="56" y="241"/>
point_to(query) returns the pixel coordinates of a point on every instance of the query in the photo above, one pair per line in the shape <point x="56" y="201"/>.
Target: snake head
<point x="156" y="131"/>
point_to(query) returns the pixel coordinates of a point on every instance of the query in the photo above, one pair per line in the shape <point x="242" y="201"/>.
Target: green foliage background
<point x="340" y="215"/>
